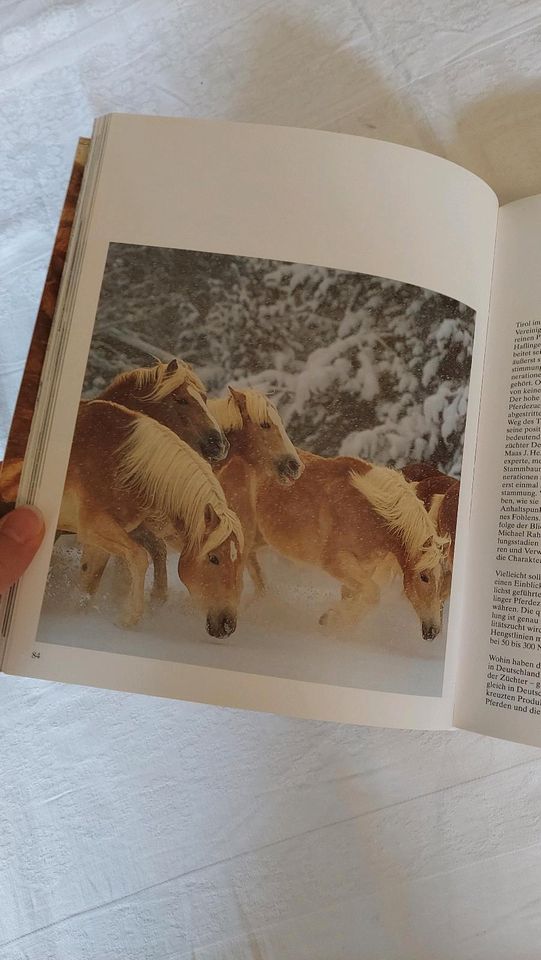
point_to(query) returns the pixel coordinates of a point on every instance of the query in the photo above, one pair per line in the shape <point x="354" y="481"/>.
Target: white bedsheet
<point x="139" y="829"/>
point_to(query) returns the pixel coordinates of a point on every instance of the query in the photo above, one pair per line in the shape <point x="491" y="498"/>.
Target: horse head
<point x="426" y="586"/>
<point x="213" y="574"/>
<point x="174" y="395"/>
<point x="263" y="438"/>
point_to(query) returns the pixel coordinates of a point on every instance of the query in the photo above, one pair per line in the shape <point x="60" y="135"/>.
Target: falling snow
<point x="357" y="365"/>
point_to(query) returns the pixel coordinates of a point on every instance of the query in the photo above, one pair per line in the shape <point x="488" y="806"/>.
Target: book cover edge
<point x="29" y="388"/>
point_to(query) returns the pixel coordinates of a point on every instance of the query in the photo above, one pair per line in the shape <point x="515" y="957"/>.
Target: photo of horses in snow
<point x="265" y="471"/>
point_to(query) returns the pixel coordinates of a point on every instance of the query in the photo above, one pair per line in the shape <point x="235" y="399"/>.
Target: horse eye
<point x="424" y="577"/>
<point x="213" y="558"/>
<point x="182" y="400"/>
<point x="265" y="426"/>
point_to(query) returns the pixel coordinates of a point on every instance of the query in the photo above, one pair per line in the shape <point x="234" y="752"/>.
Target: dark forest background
<point x="356" y="364"/>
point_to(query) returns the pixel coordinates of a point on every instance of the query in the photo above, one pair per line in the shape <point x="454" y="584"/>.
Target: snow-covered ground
<point x="277" y="635"/>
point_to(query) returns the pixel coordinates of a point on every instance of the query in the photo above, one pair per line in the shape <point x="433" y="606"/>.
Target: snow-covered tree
<point x="392" y="387"/>
<point x="356" y="364"/>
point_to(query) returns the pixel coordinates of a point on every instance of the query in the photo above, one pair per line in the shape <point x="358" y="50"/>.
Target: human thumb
<point x="21" y="533"/>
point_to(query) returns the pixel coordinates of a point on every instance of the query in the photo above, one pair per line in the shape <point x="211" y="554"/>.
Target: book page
<point x="499" y="690"/>
<point x="330" y="296"/>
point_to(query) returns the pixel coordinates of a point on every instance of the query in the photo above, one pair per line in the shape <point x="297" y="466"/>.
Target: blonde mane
<point x="394" y="499"/>
<point x="174" y="483"/>
<point x="258" y="408"/>
<point x="159" y="381"/>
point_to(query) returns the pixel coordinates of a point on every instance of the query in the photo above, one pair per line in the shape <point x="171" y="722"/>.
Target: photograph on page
<point x="265" y="471"/>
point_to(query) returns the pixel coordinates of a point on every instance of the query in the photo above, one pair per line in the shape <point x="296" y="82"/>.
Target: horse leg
<point x="352" y="606"/>
<point x="386" y="570"/>
<point x="256" y="573"/>
<point x="382" y="574"/>
<point x="157" y="549"/>
<point x="93" y="563"/>
<point x="359" y="591"/>
<point x="102" y="531"/>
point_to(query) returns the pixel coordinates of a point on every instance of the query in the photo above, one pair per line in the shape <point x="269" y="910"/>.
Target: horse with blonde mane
<point x="172" y="394"/>
<point x="259" y="448"/>
<point x="346" y="516"/>
<point x="127" y="469"/>
<point x="440" y="494"/>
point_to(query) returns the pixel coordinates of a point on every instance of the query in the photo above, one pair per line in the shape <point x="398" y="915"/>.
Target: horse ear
<point x="172" y="366"/>
<point x="211" y="518"/>
<point x="239" y="399"/>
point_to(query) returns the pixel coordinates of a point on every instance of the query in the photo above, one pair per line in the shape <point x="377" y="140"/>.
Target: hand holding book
<point x="21" y="533"/>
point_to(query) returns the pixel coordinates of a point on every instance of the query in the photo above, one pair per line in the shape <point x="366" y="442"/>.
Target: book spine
<point x="29" y="389"/>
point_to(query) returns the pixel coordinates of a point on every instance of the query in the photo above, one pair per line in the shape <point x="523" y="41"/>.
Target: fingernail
<point x="22" y="524"/>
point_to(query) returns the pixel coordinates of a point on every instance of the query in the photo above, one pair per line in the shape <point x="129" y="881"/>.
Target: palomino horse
<point x="345" y="516"/>
<point x="172" y="394"/>
<point x="259" y="448"/>
<point x="175" y="396"/>
<point x="440" y="495"/>
<point x="126" y="469"/>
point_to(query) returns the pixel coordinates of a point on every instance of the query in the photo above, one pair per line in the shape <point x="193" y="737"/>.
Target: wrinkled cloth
<point x="133" y="828"/>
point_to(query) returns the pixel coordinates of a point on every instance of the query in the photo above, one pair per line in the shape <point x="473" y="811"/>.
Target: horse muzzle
<point x="289" y="469"/>
<point x="430" y="630"/>
<point x="215" y="446"/>
<point x="221" y="625"/>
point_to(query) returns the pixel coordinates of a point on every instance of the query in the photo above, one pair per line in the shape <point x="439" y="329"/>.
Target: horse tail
<point x="171" y="481"/>
<point x="396" y="502"/>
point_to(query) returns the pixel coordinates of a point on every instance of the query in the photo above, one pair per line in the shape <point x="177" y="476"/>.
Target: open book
<point x="283" y="419"/>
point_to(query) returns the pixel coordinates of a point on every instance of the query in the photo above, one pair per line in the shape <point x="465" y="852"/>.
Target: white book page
<point x="255" y="193"/>
<point x="499" y="688"/>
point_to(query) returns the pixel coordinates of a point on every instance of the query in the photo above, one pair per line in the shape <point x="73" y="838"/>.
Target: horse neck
<point x="397" y="548"/>
<point x="136" y="398"/>
<point x="125" y="393"/>
<point x="239" y="447"/>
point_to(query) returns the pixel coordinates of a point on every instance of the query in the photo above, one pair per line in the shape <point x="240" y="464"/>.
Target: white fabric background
<point x="145" y="829"/>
